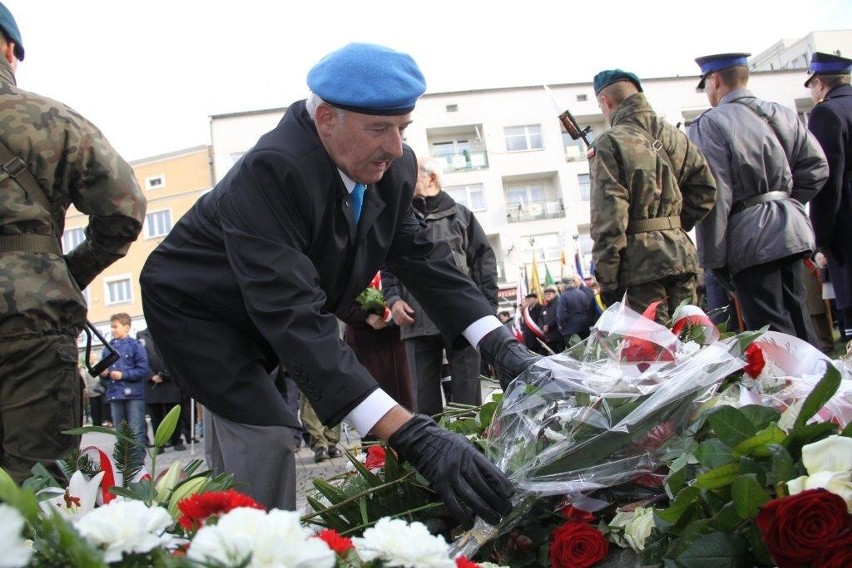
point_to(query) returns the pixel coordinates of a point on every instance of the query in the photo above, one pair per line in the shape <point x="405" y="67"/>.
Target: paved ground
<point x="306" y="469"/>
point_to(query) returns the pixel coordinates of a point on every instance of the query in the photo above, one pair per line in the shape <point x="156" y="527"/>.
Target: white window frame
<point x="467" y="191"/>
<point x="528" y="133"/>
<point x="149" y="226"/>
<point x="69" y="237"/>
<point x="115" y="279"/>
<point x="155" y="182"/>
<point x="585" y="194"/>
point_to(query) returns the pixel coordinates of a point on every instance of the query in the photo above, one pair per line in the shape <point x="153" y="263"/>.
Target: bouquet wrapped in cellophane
<point x="601" y="414"/>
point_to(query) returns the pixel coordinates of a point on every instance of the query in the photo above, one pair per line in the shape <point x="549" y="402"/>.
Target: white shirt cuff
<point x="480" y="328"/>
<point x="364" y="416"/>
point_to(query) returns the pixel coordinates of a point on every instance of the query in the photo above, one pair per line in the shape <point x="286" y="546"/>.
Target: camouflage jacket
<point x="631" y="182"/>
<point x="74" y="164"/>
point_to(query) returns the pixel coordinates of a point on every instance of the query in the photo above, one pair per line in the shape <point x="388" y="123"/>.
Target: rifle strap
<point x="13" y="167"/>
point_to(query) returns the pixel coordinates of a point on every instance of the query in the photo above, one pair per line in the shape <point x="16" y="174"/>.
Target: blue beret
<point x="610" y="76"/>
<point x="828" y="64"/>
<point x="369" y="79"/>
<point x="711" y="63"/>
<point x="11" y="31"/>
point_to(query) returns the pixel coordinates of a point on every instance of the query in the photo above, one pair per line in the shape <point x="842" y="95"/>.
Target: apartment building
<point x="171" y="183"/>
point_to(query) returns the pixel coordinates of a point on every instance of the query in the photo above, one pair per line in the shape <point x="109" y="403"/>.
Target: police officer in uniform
<point x="256" y="271"/>
<point x="767" y="166"/>
<point x="649" y="187"/>
<point x="830" y="121"/>
<point x="50" y="158"/>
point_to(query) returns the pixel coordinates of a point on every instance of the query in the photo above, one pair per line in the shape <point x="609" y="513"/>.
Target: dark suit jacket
<point x="255" y="272"/>
<point x="831" y="209"/>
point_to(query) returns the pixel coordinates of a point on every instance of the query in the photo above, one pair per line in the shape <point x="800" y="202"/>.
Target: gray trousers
<point x="425" y="358"/>
<point x="259" y="457"/>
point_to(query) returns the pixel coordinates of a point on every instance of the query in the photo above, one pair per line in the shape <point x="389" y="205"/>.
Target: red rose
<point x="577" y="545"/>
<point x="836" y="554"/>
<point x="754" y="361"/>
<point x="339" y="544"/>
<point x="795" y="529"/>
<point x="571" y="513"/>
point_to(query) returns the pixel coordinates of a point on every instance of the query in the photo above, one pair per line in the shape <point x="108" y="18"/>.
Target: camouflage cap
<point x="828" y="64"/>
<point x="11" y="31"/>
<point x="606" y="78"/>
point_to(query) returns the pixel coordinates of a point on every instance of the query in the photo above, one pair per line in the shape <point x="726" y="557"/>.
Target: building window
<point x="452" y="108"/>
<point x="155" y="182"/>
<point x="582" y="98"/>
<point x="71" y="238"/>
<point x="471" y="196"/>
<point x="118" y="290"/>
<point x="520" y="138"/>
<point x="158" y="224"/>
<point x="585" y="182"/>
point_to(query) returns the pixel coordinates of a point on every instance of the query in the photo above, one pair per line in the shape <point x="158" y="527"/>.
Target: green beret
<point x="610" y="76"/>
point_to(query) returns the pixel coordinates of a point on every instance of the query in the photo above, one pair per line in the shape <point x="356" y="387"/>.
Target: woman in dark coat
<point x="379" y="349"/>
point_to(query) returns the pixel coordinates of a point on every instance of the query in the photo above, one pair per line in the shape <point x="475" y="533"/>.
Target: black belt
<point x="759" y="198"/>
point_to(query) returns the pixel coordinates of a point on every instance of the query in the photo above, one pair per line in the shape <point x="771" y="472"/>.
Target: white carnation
<point x="270" y="539"/>
<point x="125" y="526"/>
<point x="397" y="543"/>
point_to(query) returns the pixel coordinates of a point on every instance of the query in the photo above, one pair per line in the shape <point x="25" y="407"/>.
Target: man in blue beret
<point x="767" y="166"/>
<point x="254" y="274"/>
<point x="50" y="158"/>
<point x="649" y="187"/>
<point x="830" y="121"/>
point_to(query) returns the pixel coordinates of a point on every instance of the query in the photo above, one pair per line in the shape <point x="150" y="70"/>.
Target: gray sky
<point x="150" y="73"/>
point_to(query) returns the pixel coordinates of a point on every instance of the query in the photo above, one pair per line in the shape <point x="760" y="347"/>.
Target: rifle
<point x="569" y="122"/>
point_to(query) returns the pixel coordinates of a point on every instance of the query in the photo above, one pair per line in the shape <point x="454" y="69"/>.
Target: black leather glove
<point x="465" y="479"/>
<point x="723" y="278"/>
<point x="612" y="296"/>
<point x="509" y="356"/>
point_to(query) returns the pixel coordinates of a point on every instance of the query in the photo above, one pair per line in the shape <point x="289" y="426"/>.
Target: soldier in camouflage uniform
<point x="42" y="309"/>
<point x="649" y="187"/>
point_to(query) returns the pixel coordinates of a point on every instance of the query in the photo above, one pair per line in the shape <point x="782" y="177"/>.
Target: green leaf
<point x="847" y="432"/>
<point x="167" y="427"/>
<point x="782" y="464"/>
<point x="822" y="393"/>
<point x="715" y="550"/>
<point x="713" y="453"/>
<point x="719" y="477"/>
<point x="757" y="547"/>
<point x="676" y="481"/>
<point x="760" y="416"/>
<point x="758" y="445"/>
<point x="726" y="519"/>
<point x="748" y="496"/>
<point x="687" y="499"/>
<point x="730" y="425"/>
<point x="760" y="470"/>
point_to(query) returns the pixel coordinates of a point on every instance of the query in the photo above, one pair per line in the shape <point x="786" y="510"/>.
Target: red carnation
<point x="577" y="545"/>
<point x="754" y="361"/>
<point x="375" y="457"/>
<point x="339" y="544"/>
<point x="462" y="562"/>
<point x="797" y="528"/>
<point x="198" y="508"/>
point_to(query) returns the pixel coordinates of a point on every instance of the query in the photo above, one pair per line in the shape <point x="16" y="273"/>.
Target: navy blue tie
<point x="358" y="200"/>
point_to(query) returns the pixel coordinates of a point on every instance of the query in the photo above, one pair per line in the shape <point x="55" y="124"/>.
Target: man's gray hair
<point x="314" y="101"/>
<point x="431" y="166"/>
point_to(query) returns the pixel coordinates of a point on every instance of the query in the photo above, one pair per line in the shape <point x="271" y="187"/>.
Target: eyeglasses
<point x="104" y="363"/>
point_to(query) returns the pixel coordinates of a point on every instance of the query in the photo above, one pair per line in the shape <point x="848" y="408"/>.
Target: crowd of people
<point x="244" y="298"/>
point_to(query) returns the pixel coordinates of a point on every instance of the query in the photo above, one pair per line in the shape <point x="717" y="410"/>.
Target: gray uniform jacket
<point x="750" y="156"/>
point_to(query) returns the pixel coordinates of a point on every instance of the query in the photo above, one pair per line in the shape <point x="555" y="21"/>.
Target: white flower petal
<point x="125" y="526"/>
<point x="399" y="544"/>
<point x="15" y="552"/>
<point x="830" y="454"/>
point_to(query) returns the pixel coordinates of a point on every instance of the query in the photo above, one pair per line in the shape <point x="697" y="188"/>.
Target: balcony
<point x="464" y="161"/>
<point x="534" y="211"/>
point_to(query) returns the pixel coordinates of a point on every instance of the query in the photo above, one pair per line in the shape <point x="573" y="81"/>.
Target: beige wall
<point x="185" y="176"/>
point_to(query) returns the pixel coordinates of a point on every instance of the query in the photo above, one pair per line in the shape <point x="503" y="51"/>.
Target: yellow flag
<point x="535" y="285"/>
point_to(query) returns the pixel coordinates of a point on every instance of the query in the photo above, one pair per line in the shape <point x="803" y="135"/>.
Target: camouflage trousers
<point x="40" y="396"/>
<point x="672" y="290"/>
